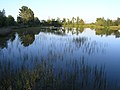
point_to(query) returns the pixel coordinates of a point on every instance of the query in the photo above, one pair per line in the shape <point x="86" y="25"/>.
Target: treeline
<point x="73" y="22"/>
<point x="108" y="22"/>
<point x="6" y="21"/>
<point x="99" y="22"/>
<point x="26" y="18"/>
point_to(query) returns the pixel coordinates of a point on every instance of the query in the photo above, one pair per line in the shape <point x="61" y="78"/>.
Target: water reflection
<point x="27" y="39"/>
<point x="56" y="60"/>
<point x="4" y="40"/>
<point x="75" y="31"/>
<point x="28" y="36"/>
<point x="43" y="76"/>
<point x="88" y="47"/>
<point x="107" y="32"/>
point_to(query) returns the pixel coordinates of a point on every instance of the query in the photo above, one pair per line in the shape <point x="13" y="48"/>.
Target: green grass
<point x="94" y="27"/>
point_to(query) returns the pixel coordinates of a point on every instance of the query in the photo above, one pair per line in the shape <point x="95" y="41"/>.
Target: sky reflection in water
<point x="63" y="49"/>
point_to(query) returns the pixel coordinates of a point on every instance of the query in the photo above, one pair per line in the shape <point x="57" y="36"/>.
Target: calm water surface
<point x="76" y="57"/>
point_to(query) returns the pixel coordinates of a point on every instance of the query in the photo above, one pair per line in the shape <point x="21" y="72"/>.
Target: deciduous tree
<point x="26" y="15"/>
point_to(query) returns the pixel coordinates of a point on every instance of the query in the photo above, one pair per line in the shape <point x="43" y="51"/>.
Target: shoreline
<point x="7" y="30"/>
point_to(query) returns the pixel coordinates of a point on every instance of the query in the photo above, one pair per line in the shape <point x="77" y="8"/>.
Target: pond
<point x="66" y="59"/>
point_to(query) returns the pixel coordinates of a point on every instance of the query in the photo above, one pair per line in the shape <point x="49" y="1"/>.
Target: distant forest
<point x="26" y="18"/>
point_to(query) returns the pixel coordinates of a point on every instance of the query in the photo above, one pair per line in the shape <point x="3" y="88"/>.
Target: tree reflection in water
<point x="27" y="39"/>
<point x="107" y="32"/>
<point x="89" y="47"/>
<point x="53" y="62"/>
<point x="42" y="76"/>
<point x="4" y="40"/>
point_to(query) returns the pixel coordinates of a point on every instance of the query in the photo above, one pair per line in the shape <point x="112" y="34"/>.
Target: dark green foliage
<point x="56" y="24"/>
<point x="19" y="20"/>
<point x="10" y="21"/>
<point x="117" y="22"/>
<point x="2" y="18"/>
<point x="51" y="22"/>
<point x="44" y="23"/>
<point x="6" y="21"/>
<point x="36" y="21"/>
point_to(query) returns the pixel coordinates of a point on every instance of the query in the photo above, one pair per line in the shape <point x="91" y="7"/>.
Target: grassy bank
<point x="93" y="27"/>
<point x="102" y="27"/>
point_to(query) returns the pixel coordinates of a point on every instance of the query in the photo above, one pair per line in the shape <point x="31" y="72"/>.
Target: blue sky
<point x="88" y="10"/>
